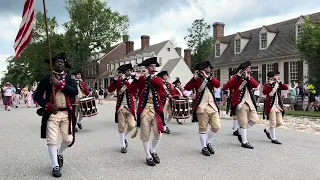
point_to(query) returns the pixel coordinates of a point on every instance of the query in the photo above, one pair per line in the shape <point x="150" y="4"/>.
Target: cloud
<point x="237" y="15"/>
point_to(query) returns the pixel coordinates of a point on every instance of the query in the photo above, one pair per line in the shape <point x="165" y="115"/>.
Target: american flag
<point x="25" y="31"/>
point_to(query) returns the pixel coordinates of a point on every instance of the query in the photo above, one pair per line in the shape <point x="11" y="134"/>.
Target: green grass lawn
<point x="291" y="113"/>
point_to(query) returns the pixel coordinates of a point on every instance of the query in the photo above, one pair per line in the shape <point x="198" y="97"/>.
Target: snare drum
<point x="88" y="107"/>
<point x="181" y="109"/>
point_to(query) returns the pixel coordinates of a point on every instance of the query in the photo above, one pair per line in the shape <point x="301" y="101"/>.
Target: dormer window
<point x="298" y="30"/>
<point x="263" y="41"/>
<point x="237" y="46"/>
<point x="217" y="50"/>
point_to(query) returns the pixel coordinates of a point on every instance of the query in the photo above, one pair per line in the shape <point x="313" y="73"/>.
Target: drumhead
<point x="86" y="99"/>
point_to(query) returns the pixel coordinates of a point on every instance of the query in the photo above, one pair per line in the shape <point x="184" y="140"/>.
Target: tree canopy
<point x="199" y="41"/>
<point x="91" y="27"/>
<point x="309" y="48"/>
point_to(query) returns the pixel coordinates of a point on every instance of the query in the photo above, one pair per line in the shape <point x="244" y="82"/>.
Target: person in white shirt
<point x="218" y="95"/>
<point x="7" y="98"/>
<point x="256" y="93"/>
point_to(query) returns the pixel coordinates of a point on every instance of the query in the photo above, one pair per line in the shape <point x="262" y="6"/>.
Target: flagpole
<point x="48" y="39"/>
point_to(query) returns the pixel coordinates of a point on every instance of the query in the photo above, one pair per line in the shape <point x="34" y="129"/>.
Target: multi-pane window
<point x="217" y="50"/>
<point x="168" y="49"/>
<point x="270" y="68"/>
<point x="293" y="71"/>
<point x="237" y="45"/>
<point x="263" y="40"/>
<point x="215" y="73"/>
<point x="299" y="29"/>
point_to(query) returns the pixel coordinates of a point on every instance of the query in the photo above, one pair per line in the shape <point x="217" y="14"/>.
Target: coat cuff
<point x="48" y="107"/>
<point x="60" y="86"/>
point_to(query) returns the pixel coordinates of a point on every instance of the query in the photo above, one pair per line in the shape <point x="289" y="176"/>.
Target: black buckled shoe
<point x="150" y="162"/>
<point x="126" y="142"/>
<point x="210" y="148"/>
<point x="155" y="157"/>
<point x="79" y="125"/>
<point x="167" y="131"/>
<point x="60" y="160"/>
<point x="276" y="142"/>
<point x="236" y="133"/>
<point x="205" y="151"/>
<point x="247" y="145"/>
<point x="267" y="133"/>
<point x="123" y="150"/>
<point x="56" y="172"/>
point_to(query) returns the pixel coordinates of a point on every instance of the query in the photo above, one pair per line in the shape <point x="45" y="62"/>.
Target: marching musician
<point x="125" y="107"/>
<point x="57" y="115"/>
<point x="243" y="104"/>
<point x="167" y="110"/>
<point x="274" y="108"/>
<point x="82" y="93"/>
<point x="178" y="91"/>
<point x="205" y="107"/>
<point x="235" y="126"/>
<point x="150" y="109"/>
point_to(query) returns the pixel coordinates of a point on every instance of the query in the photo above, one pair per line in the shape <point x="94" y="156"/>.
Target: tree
<point x="199" y="41"/>
<point x="309" y="48"/>
<point x="92" y="26"/>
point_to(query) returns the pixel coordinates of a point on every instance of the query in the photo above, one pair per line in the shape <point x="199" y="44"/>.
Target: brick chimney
<point x="145" y="41"/>
<point x="187" y="57"/>
<point x="178" y="49"/>
<point x="125" y="38"/>
<point x="218" y="30"/>
<point x="129" y="46"/>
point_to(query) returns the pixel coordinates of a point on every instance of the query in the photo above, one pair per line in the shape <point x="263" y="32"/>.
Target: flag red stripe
<point x="27" y="29"/>
<point x="24" y="46"/>
<point x="24" y="35"/>
<point x="26" y="8"/>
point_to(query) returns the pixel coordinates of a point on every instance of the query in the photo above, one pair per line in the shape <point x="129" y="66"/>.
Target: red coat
<point x="159" y="94"/>
<point x="129" y="94"/>
<point x="170" y="90"/>
<point x="176" y="93"/>
<point x="84" y="88"/>
<point x="233" y="85"/>
<point x="267" y="88"/>
<point x="195" y="84"/>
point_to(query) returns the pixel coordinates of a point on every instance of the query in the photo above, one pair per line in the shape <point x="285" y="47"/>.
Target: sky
<point x="163" y="19"/>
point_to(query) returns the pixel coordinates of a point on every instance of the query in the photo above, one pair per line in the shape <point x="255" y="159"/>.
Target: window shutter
<point x="275" y="67"/>
<point x="264" y="74"/>
<point x="286" y="72"/>
<point x="230" y="70"/>
<point x="218" y="73"/>
<point x="300" y="70"/>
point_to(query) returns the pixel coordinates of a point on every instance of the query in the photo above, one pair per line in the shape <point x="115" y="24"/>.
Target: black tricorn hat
<point x="125" y="67"/>
<point x="272" y="73"/>
<point x="149" y="61"/>
<point x="203" y="65"/>
<point x="233" y="72"/>
<point x="244" y="65"/>
<point x="162" y="73"/>
<point x="176" y="81"/>
<point x="59" y="56"/>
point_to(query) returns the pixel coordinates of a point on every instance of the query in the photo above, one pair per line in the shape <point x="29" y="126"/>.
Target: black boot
<point x="79" y="125"/>
<point x="56" y="172"/>
<point x="267" y="133"/>
<point x="60" y="160"/>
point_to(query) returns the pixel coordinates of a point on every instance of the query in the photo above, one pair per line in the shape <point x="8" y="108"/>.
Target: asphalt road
<point x="96" y="153"/>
